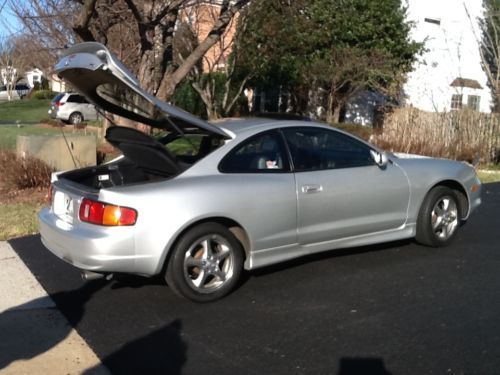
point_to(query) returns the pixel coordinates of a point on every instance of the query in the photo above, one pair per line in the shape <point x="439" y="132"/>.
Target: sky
<point x="9" y="24"/>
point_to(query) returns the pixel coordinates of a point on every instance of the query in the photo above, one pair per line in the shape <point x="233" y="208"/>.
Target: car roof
<point x="240" y="126"/>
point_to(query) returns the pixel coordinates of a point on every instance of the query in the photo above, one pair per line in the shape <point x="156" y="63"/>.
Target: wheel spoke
<point x="446" y="204"/>
<point x="207" y="250"/>
<point x="444" y="231"/>
<point x="200" y="280"/>
<point x="222" y="254"/>
<point x="438" y="222"/>
<point x="221" y="275"/>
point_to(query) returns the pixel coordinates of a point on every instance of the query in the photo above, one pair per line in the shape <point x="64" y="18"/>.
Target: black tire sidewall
<point x="175" y="268"/>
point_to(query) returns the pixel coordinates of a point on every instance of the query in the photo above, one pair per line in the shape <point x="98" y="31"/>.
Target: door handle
<point x="309" y="189"/>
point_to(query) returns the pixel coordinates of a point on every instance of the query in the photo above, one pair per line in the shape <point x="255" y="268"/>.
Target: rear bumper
<point x="89" y="247"/>
<point x="52" y="113"/>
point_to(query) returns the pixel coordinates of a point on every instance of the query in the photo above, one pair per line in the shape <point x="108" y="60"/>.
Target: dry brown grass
<point x="457" y="135"/>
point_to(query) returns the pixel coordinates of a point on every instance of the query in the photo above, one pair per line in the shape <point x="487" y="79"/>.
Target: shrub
<point x="187" y="98"/>
<point x="23" y="173"/>
<point x="459" y="135"/>
<point x="43" y="94"/>
<point x="363" y="132"/>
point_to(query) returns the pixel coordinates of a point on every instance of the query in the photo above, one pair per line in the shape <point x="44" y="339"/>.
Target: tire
<point x="75" y="118"/>
<point x="439" y="217"/>
<point x="206" y="263"/>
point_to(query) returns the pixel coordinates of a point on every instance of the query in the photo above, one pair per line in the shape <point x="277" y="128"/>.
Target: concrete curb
<point x="36" y="338"/>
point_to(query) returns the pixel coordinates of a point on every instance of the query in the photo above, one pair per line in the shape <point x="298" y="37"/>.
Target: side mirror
<point x="380" y="158"/>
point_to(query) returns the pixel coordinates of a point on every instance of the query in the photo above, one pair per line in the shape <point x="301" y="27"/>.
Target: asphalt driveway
<point x="396" y="308"/>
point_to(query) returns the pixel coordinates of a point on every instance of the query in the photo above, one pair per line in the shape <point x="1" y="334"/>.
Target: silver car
<point x="72" y="108"/>
<point x="200" y="202"/>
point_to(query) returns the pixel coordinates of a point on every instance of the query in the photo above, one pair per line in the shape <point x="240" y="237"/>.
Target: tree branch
<point x="81" y="27"/>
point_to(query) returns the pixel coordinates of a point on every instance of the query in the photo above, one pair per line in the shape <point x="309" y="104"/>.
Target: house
<point x="449" y="75"/>
<point x="56" y="84"/>
<point x="34" y="76"/>
<point x="201" y="18"/>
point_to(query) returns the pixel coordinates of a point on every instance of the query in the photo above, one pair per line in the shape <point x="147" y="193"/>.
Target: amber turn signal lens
<point x="474" y="188"/>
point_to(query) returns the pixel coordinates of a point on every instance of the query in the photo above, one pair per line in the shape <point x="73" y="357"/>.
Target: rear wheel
<point x="439" y="217"/>
<point x="75" y="118"/>
<point x="206" y="263"/>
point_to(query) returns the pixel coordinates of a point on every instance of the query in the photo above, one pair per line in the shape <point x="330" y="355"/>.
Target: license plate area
<point x="63" y="206"/>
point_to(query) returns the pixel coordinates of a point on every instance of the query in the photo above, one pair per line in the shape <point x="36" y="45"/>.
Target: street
<point x="397" y="308"/>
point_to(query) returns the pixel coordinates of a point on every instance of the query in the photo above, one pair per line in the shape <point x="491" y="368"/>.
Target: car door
<point x="258" y="179"/>
<point x="341" y="192"/>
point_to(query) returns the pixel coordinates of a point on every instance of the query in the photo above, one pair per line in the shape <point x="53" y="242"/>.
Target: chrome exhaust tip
<point x="89" y="275"/>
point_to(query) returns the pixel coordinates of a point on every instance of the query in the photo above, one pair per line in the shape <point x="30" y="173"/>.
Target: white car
<point x="72" y="108"/>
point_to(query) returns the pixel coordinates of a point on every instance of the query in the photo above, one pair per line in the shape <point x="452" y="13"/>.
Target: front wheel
<point x="439" y="217"/>
<point x="205" y="264"/>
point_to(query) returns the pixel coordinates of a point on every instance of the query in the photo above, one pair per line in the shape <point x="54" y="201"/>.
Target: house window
<point x="473" y="102"/>
<point x="456" y="101"/>
<point x="435" y="21"/>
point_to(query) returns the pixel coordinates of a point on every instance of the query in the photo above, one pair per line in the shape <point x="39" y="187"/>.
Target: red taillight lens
<point x="58" y="104"/>
<point x="106" y="214"/>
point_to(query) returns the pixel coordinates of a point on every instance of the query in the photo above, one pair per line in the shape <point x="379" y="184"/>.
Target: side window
<point x="263" y="153"/>
<point x="75" y="99"/>
<point x="78" y="99"/>
<point x="315" y="149"/>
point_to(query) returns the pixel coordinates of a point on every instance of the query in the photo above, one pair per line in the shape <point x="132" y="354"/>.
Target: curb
<point x="36" y="337"/>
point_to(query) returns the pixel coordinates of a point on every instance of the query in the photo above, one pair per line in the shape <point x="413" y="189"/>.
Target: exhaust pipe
<point x="89" y="275"/>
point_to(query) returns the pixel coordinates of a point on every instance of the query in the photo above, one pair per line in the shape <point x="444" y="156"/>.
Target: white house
<point x="56" y="84"/>
<point x="448" y="75"/>
<point x="34" y="76"/>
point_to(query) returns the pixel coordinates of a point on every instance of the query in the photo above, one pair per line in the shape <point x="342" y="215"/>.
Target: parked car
<point x="72" y="108"/>
<point x="22" y="90"/>
<point x="200" y="202"/>
<point x="19" y="92"/>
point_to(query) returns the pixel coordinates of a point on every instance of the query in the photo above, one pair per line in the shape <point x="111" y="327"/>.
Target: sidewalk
<point x="35" y="336"/>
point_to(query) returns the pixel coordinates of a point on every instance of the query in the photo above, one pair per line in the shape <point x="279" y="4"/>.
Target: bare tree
<point x="9" y="70"/>
<point x="214" y="79"/>
<point x="140" y="33"/>
<point x="488" y="39"/>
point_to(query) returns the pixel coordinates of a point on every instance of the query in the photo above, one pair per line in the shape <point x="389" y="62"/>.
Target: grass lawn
<point x="18" y="219"/>
<point x="9" y="133"/>
<point x="489" y="176"/>
<point x="24" y="110"/>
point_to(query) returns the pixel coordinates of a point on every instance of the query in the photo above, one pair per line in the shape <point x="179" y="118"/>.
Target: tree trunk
<point x="333" y="109"/>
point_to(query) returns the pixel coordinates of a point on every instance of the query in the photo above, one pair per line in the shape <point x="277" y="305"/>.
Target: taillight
<point x="58" y="104"/>
<point x="99" y="213"/>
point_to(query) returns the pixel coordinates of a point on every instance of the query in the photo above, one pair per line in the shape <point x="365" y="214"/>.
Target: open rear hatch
<point x="96" y="73"/>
